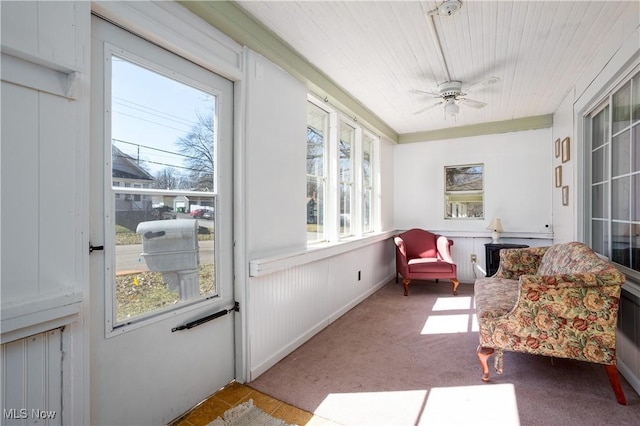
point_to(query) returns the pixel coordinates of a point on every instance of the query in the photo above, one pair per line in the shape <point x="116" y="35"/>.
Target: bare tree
<point x="198" y="147"/>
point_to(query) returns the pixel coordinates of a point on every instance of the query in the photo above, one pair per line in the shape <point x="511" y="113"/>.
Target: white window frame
<point x="606" y="101"/>
<point x="331" y="207"/>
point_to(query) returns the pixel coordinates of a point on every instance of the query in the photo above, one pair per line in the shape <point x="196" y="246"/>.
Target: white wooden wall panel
<point x="20" y="221"/>
<point x="32" y="379"/>
<point x="43" y="30"/>
<point x="56" y="193"/>
<point x="287" y="308"/>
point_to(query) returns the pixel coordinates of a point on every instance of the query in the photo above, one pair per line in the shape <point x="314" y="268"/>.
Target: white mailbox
<point x="171" y="247"/>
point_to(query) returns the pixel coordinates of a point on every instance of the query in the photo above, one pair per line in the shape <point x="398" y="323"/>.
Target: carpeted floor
<point x="395" y="360"/>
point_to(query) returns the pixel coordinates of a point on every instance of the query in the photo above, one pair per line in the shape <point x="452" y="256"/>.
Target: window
<point x="317" y="130"/>
<point x="162" y="152"/>
<point x="340" y="175"/>
<point x="345" y="173"/>
<point x="367" y="182"/>
<point x="614" y="136"/>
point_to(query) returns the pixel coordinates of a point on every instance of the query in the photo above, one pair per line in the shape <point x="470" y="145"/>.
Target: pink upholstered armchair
<point x="422" y="255"/>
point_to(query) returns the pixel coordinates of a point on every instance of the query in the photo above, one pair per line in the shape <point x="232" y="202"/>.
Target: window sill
<point x="314" y="253"/>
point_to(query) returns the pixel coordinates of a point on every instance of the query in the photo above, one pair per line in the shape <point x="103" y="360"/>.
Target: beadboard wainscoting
<point x="287" y="307"/>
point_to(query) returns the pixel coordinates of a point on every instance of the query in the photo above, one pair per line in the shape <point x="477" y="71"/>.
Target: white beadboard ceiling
<point x="379" y="51"/>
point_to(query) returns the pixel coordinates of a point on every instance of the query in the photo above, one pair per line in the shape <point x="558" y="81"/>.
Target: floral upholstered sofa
<point x="559" y="301"/>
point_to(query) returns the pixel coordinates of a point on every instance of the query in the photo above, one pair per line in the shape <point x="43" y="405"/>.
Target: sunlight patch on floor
<point x="444" y="324"/>
<point x="461" y="405"/>
<point x="373" y="408"/>
<point x="471" y="405"/>
<point x="455" y="303"/>
<point x="453" y="323"/>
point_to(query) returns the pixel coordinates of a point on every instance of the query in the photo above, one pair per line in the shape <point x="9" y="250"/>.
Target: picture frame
<point x="557" y="145"/>
<point x="464" y="191"/>
<point x="566" y="145"/>
<point x="565" y="195"/>
<point x="558" y="176"/>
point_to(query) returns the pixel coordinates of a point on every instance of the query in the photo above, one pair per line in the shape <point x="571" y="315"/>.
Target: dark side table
<point x="492" y="255"/>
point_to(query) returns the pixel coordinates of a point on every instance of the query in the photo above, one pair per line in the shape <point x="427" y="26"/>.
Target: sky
<point x="150" y="112"/>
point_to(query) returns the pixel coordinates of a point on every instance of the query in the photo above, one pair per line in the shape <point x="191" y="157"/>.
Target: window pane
<point x="635" y="213"/>
<point x="635" y="247"/>
<point x="600" y="131"/>
<point x="599" y="164"/>
<point x="163" y="134"/>
<point x="635" y="149"/>
<point x="345" y="147"/>
<point x="620" y="244"/>
<point x="597" y="237"/>
<point x="620" y="154"/>
<point x="317" y="127"/>
<point x="620" y="199"/>
<point x="599" y="200"/>
<point x="622" y="108"/>
<point x="315" y="203"/>
<point x="635" y="107"/>
<point x="367" y="183"/>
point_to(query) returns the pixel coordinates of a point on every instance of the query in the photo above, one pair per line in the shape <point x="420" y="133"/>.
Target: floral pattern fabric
<point x="559" y="301"/>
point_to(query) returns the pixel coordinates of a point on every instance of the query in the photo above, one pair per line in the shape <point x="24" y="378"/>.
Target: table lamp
<point x="496" y="227"/>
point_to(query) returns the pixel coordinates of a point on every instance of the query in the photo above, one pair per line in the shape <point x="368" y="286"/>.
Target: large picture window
<point x="614" y="135"/>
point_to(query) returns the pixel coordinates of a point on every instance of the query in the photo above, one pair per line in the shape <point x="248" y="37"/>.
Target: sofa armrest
<point x="522" y="261"/>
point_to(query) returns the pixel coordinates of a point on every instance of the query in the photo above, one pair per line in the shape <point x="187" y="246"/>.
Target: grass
<point x="144" y="292"/>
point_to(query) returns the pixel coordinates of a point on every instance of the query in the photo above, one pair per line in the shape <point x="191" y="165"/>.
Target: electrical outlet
<point x="474" y="258"/>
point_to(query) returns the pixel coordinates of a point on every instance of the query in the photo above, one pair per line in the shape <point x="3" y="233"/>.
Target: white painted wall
<point x="517" y="182"/>
<point x="275" y="162"/>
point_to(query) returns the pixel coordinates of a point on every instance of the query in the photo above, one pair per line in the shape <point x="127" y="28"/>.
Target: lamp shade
<point x="495" y="225"/>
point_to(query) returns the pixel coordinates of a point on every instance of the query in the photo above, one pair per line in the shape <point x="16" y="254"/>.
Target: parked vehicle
<point x="163" y="213"/>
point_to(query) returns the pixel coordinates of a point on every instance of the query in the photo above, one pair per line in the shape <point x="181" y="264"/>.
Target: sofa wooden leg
<point x="483" y="357"/>
<point x="405" y="284"/>
<point x="614" y="379"/>
<point x="455" y="283"/>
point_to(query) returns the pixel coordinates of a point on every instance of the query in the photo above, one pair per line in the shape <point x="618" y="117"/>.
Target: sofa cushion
<point x="495" y="296"/>
<point x="429" y="266"/>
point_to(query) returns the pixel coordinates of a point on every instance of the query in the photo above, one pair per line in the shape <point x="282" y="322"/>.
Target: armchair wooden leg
<point x="614" y="379"/>
<point x="483" y="357"/>
<point x="405" y="284"/>
<point x="455" y="283"/>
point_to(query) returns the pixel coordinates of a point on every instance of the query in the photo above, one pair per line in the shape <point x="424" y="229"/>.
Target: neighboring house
<point x="128" y="174"/>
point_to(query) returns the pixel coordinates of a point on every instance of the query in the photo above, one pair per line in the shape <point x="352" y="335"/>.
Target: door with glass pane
<point x="162" y="317"/>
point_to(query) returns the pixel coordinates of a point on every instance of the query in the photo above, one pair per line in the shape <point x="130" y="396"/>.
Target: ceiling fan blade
<point x="473" y="103"/>
<point x="428" y="108"/>
<point x="422" y="92"/>
<point x="482" y="84"/>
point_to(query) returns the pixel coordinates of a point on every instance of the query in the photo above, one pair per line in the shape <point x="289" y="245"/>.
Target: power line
<point x="154" y="149"/>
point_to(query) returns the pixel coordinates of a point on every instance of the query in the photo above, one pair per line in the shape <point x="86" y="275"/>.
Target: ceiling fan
<point x="451" y="94"/>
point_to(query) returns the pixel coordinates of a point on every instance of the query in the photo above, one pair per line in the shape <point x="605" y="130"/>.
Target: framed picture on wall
<point x="565" y="195"/>
<point x="557" y="147"/>
<point x="464" y="191"/>
<point x="565" y="149"/>
<point x="558" y="176"/>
